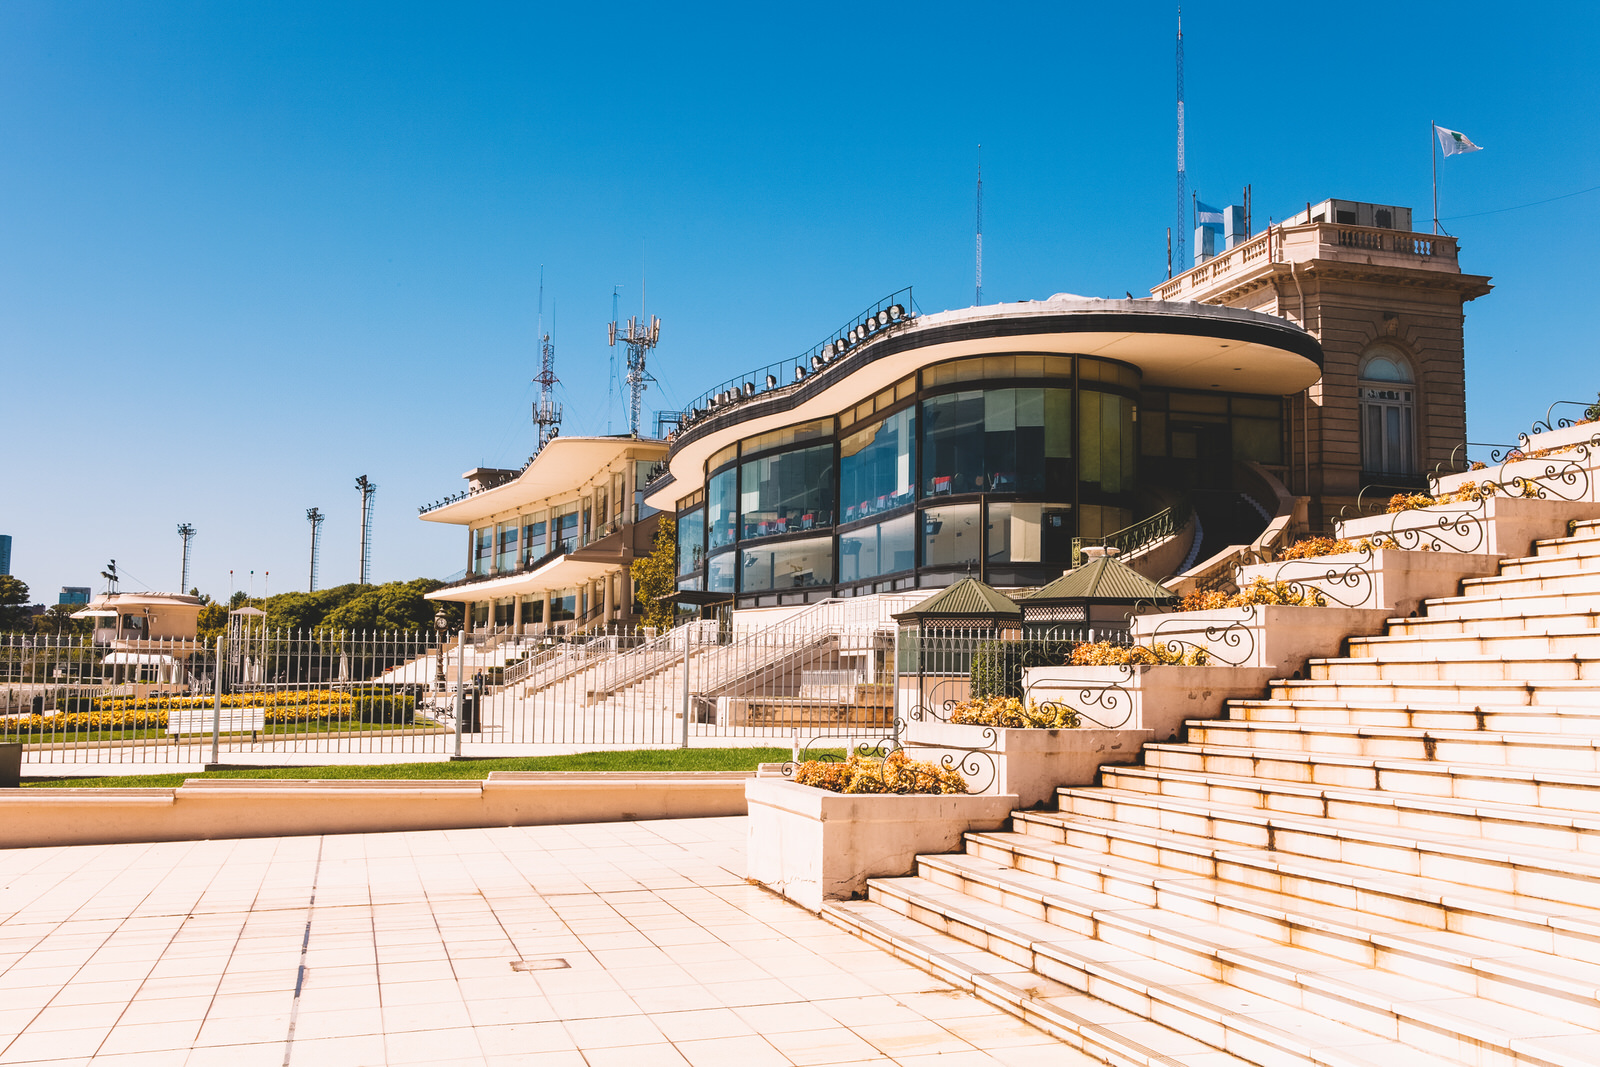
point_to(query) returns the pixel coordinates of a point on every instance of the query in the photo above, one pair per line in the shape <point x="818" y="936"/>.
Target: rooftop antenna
<point x="368" y="489"/>
<point x="110" y="575"/>
<point x="978" y="300"/>
<point x="1183" y="177"/>
<point x="315" y="517"/>
<point x="187" y="532"/>
<point x="639" y="337"/>
<point x="546" y="413"/>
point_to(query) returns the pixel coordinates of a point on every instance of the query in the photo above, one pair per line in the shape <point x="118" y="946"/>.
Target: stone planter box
<point x="1496" y="526"/>
<point x="1147" y="698"/>
<point x="810" y="845"/>
<point x="1392" y="580"/>
<point x="1029" y="764"/>
<point x="1275" y="636"/>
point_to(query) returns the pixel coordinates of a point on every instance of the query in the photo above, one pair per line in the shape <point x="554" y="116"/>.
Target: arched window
<point x="1388" y="435"/>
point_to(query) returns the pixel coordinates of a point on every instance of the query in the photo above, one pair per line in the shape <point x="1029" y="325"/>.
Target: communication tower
<point x="369" y="489"/>
<point x="639" y="337"/>
<point x="978" y="300"/>
<point x="546" y="412"/>
<point x="1183" y="177"/>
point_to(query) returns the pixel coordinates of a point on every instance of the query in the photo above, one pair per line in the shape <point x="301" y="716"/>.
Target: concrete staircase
<point x="1395" y="860"/>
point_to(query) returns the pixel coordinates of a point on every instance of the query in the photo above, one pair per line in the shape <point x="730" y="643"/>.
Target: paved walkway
<point x="614" y="945"/>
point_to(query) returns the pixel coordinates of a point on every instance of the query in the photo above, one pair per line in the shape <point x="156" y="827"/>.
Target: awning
<point x="138" y="659"/>
<point x="94" y="615"/>
<point x="698" y="597"/>
<point x="564" y="572"/>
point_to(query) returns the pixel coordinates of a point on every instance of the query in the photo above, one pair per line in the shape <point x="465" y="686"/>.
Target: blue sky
<point x="249" y="252"/>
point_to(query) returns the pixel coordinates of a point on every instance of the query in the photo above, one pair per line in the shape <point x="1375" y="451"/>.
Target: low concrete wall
<point x="1496" y="526"/>
<point x="1155" y="699"/>
<point x="810" y="845"/>
<point x="206" y="809"/>
<point x="1279" y="636"/>
<point x="1392" y="580"/>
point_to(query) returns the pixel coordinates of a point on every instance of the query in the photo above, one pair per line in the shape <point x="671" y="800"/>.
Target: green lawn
<point x="672" y="759"/>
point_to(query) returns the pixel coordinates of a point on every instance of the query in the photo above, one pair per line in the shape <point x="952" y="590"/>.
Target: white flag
<point x="1453" y="143"/>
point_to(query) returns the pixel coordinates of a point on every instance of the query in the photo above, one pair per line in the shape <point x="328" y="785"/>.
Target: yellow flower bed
<point x="1012" y="714"/>
<point x="1259" y="591"/>
<point x="1106" y="654"/>
<point x="895" y="773"/>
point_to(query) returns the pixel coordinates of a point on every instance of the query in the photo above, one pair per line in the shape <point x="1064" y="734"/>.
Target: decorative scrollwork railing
<point x="1544" y="425"/>
<point x="1348" y="583"/>
<point x="1108" y="705"/>
<point x="1228" y="643"/>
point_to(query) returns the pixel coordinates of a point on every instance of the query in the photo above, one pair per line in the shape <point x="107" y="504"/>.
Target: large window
<point x="951" y="537"/>
<point x="721" y="570"/>
<point x="1106" y="442"/>
<point x="787" y="565"/>
<point x="506" y="558"/>
<point x="998" y="440"/>
<point x="722" y="502"/>
<point x="1387" y="413"/>
<point x="566" y="531"/>
<point x="787" y="493"/>
<point x="691" y="540"/>
<point x="882" y="548"/>
<point x="875" y="466"/>
<point x="1029" y="533"/>
<point x="534" y="545"/>
<point x="482" y="550"/>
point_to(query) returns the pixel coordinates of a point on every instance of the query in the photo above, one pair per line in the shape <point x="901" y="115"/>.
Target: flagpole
<point x="1433" y="157"/>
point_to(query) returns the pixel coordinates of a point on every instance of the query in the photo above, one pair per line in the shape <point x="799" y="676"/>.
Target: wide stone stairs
<point x="1394" y="860"/>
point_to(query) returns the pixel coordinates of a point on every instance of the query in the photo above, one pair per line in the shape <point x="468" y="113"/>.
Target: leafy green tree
<point x="58" y="620"/>
<point x="14" y="614"/>
<point x="656" y="575"/>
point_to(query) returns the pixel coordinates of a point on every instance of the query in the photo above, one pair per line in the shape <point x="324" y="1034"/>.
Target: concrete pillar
<point x="466" y="617"/>
<point x="545" y="619"/>
<point x="516" y="615"/>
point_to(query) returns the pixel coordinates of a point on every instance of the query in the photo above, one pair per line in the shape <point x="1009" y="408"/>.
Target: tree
<point x="656" y="575"/>
<point x="58" y="620"/>
<point x="14" y="614"/>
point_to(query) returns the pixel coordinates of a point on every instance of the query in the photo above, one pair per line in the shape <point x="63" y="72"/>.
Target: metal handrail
<point x="1128" y="540"/>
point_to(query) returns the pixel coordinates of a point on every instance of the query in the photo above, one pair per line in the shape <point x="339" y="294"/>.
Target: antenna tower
<point x="546" y="413"/>
<point x="1183" y="177"/>
<point x="369" y="489"/>
<point x="978" y="300"/>
<point x="639" y="337"/>
<point x="315" y="516"/>
<point x="187" y="532"/>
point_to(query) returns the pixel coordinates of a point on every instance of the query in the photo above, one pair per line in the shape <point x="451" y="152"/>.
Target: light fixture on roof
<point x="896" y="312"/>
<point x="799" y="374"/>
<point x="749" y="388"/>
<point x="772" y="381"/>
<point x="816" y="362"/>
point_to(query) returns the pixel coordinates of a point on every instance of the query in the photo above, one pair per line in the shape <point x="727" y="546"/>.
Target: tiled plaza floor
<point x="642" y="947"/>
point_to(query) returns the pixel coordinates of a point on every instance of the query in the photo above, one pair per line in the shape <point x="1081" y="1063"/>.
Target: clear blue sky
<point x="251" y="251"/>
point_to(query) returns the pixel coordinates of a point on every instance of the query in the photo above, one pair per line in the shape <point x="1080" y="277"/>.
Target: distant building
<point x="5" y="553"/>
<point x="74" y="594"/>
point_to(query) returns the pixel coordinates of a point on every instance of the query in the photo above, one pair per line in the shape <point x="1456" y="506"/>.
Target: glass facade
<point x="876" y="465"/>
<point x="788" y="492"/>
<point x="533" y="539"/>
<point x="506" y="558"/>
<point x="482" y="550"/>
<point x="987" y="466"/>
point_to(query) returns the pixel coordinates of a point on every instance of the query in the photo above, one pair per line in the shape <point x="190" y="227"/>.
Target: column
<point x="610" y="603"/>
<point x="546" y="617"/>
<point x="516" y="615"/>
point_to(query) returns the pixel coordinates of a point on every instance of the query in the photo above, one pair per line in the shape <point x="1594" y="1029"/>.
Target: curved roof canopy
<point x="1175" y="345"/>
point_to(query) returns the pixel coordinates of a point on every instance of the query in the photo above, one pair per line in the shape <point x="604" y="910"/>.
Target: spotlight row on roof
<point x="856" y="335"/>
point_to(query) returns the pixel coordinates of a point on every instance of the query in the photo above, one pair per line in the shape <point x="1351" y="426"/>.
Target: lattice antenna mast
<point x="1183" y="178"/>
<point x="978" y="299"/>
<point x="369" y="489"/>
<point x="546" y="413"/>
<point x="639" y="337"/>
<point x="187" y="532"/>
<point x="315" y="517"/>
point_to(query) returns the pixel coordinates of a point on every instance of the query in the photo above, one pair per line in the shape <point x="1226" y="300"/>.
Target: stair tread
<point x="1416" y="732"/>
<point x="1537" y="911"/>
<point x="1419" y="1000"/>
<point x="1419" y="801"/>
<point x="1104" y="1025"/>
<point x="1575" y="978"/>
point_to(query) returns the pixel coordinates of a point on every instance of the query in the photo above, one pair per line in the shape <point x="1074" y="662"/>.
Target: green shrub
<point x="997" y="666"/>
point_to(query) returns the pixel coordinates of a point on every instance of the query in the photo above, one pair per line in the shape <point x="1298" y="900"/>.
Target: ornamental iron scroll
<point x="1348" y="583"/>
<point x="1228" y="643"/>
<point x="977" y="764"/>
<point x="1108" y="705"/>
<point x="1544" y="425"/>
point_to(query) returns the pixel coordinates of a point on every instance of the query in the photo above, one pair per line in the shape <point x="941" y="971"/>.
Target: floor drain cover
<point x="539" y="965"/>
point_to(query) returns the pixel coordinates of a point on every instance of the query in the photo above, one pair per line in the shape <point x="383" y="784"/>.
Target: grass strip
<point x="669" y="759"/>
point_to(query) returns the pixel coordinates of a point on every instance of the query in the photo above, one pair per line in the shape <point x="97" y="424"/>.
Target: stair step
<point x="1207" y="990"/>
<point x="1523" y="823"/>
<point x="1534" y="750"/>
<point x="1237" y="927"/>
<point x="1510" y="718"/>
<point x="1487" y="691"/>
<point x="1544" y="622"/>
<point x="1567" y="790"/>
<point x="1106" y="1031"/>
<point x="1434" y="665"/>
<point x="1585" y="642"/>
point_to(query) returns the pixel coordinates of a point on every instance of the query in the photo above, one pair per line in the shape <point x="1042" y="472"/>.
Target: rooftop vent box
<point x="1355" y="213"/>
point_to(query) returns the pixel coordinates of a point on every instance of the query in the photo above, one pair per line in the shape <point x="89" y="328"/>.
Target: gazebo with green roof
<point x="938" y="635"/>
<point x="1093" y="601"/>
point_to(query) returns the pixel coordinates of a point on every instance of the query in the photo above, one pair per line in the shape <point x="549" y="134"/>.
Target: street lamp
<point x="440" y="622"/>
